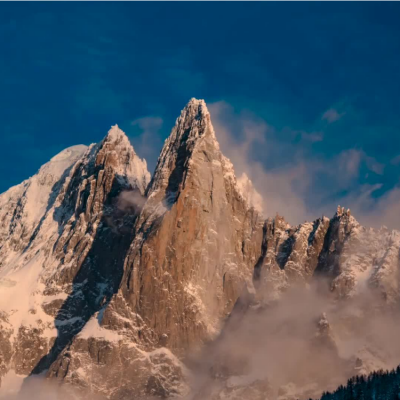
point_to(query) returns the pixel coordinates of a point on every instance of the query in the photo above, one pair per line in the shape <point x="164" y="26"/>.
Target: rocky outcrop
<point x="339" y="251"/>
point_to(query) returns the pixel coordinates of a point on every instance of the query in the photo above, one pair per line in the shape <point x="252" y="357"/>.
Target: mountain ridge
<point x="123" y="276"/>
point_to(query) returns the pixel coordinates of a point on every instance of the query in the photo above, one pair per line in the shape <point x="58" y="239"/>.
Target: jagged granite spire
<point x="192" y="125"/>
<point x="195" y="207"/>
<point x="191" y="139"/>
<point x="116" y="149"/>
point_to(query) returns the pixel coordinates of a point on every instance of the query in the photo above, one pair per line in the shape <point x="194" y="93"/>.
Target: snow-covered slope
<point x="23" y="206"/>
<point x="40" y="218"/>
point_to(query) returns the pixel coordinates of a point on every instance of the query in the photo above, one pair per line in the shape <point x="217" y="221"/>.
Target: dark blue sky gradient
<point x="71" y="70"/>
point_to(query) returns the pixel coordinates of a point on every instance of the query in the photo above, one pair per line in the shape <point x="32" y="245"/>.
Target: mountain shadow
<point x="97" y="277"/>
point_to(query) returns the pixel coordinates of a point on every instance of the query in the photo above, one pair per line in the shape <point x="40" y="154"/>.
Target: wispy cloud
<point x="148" y="124"/>
<point x="374" y="165"/>
<point x="375" y="211"/>
<point x="332" y="115"/>
<point x="312" y="137"/>
<point x="300" y="184"/>
<point x="277" y="186"/>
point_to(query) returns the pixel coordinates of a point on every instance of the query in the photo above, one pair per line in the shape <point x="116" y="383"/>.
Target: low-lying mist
<point x="303" y="344"/>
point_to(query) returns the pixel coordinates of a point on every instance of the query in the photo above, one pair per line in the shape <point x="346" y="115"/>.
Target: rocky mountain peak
<point x="116" y="136"/>
<point x="195" y="234"/>
<point x="194" y="110"/>
<point x="342" y="211"/>
<point x="116" y="152"/>
<point x="175" y="162"/>
<point x="194" y="121"/>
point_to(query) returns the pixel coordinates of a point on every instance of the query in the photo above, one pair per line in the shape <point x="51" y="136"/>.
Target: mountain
<point x="118" y="284"/>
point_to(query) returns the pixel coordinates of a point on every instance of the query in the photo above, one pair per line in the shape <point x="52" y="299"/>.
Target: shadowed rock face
<point x="127" y="277"/>
<point x="75" y="256"/>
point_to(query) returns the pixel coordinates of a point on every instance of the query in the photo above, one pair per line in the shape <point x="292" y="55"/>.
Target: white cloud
<point x="301" y="185"/>
<point x="276" y="186"/>
<point x="375" y="211"/>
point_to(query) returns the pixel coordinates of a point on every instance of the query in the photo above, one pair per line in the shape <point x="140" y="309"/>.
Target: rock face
<point x="196" y="240"/>
<point x="193" y="249"/>
<point x="64" y="261"/>
<point x="339" y="250"/>
<point x="109" y="280"/>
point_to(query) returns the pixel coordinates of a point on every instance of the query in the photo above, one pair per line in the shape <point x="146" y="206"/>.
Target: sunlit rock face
<point x="123" y="285"/>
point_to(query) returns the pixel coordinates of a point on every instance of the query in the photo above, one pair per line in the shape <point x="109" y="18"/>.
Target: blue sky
<point x="312" y="89"/>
